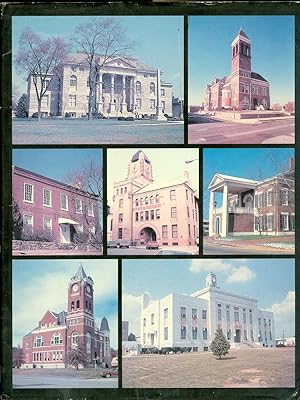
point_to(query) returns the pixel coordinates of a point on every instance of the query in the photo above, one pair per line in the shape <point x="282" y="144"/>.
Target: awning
<point x="67" y="221"/>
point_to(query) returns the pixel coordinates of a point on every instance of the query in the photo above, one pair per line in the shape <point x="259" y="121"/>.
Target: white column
<point x="112" y="104"/>
<point x="159" y="114"/>
<point x="224" y="228"/>
<point x="124" y="104"/>
<point x="133" y="100"/>
<point x="100" y="93"/>
<point x="211" y="223"/>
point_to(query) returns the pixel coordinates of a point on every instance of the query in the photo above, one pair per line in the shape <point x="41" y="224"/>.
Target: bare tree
<point x="40" y="59"/>
<point x="89" y="180"/>
<point x="18" y="357"/>
<point x="101" y="40"/>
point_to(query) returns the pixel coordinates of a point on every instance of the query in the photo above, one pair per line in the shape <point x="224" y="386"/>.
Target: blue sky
<point x="158" y="41"/>
<point x="273" y="52"/>
<point x="251" y="163"/>
<point x="40" y="285"/>
<point x="270" y="281"/>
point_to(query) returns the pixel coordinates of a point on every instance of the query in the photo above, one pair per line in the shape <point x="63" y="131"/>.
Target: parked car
<point x="124" y="243"/>
<point x="152" y="244"/>
<point x="130" y="119"/>
<point x="112" y="243"/>
<point x="172" y="253"/>
<point x="108" y="373"/>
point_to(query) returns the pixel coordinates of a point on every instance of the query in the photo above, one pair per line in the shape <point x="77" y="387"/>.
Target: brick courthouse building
<point x="54" y="208"/>
<point x="48" y="344"/>
<point x="243" y="89"/>
<point x="253" y="207"/>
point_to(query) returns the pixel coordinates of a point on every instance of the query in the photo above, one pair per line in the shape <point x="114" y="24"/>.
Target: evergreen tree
<point x="17" y="220"/>
<point x="22" y="107"/>
<point x="18" y="357"/>
<point x="220" y="345"/>
<point x="77" y="356"/>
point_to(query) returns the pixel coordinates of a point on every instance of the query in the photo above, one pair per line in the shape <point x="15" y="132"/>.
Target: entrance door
<point x="65" y="233"/>
<point x="218" y="226"/>
<point x="237" y="336"/>
<point x="255" y="103"/>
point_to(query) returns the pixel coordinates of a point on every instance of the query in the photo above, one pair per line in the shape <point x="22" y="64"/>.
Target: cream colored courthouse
<point x="143" y="210"/>
<point x="124" y="87"/>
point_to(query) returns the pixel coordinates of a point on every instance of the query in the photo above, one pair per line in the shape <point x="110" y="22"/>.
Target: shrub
<point x="81" y="237"/>
<point x="38" y="236"/>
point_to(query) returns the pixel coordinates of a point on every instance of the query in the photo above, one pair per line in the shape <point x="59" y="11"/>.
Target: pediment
<point x="119" y="63"/>
<point x="216" y="180"/>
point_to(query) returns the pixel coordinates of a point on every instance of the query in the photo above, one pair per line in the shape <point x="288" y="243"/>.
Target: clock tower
<point x="241" y="52"/>
<point x="140" y="168"/>
<point x="211" y="280"/>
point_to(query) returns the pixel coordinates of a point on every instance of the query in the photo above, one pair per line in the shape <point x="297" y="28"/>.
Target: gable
<point x="119" y="63"/>
<point x="49" y="318"/>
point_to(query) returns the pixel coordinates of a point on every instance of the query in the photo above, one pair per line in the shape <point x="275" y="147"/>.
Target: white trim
<point x="45" y="227"/>
<point x="67" y="202"/>
<point x="47" y="205"/>
<point x="28" y="201"/>
<point x="30" y="215"/>
<point x="80" y="211"/>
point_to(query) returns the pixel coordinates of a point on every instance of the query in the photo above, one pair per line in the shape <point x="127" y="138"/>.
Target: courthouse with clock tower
<point x="243" y="89"/>
<point x="48" y="345"/>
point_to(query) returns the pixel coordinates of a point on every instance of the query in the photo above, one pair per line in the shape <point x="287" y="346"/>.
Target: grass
<point x="241" y="368"/>
<point x="67" y="372"/>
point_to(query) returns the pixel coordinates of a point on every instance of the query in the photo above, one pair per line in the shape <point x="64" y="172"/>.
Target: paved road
<point x="132" y="251"/>
<point x="75" y="131"/>
<point x="212" y="249"/>
<point x="207" y="131"/>
<point x="57" y="382"/>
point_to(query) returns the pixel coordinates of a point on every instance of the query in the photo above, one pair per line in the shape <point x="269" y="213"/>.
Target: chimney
<point x="291" y="164"/>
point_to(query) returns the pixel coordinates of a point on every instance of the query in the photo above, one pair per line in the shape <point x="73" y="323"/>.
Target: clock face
<point x="75" y="288"/>
<point x="88" y="289"/>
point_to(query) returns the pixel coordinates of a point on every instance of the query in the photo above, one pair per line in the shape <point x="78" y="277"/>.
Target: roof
<point x="104" y="325"/>
<point x="80" y="58"/>
<point x="80" y="273"/>
<point x="255" y="75"/>
<point x="237" y="179"/>
<point x="160" y="185"/>
<point x="235" y="183"/>
<point x="136" y="156"/>
<point x="242" y="33"/>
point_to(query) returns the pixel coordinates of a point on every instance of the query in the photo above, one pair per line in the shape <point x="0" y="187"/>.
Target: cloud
<point x="231" y="268"/>
<point x="284" y="315"/>
<point x="131" y="311"/>
<point x="240" y="274"/>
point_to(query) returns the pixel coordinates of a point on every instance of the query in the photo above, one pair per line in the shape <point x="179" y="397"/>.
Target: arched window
<point x="38" y="341"/>
<point x="157" y="198"/>
<point x="136" y="202"/>
<point x="56" y="339"/>
<point x="146" y="200"/>
<point x="73" y="81"/>
<point x="77" y="304"/>
<point x="141" y="201"/>
<point x="74" y="339"/>
<point x="152" y="200"/>
<point x="138" y="88"/>
<point x="72" y="306"/>
<point x="152" y="87"/>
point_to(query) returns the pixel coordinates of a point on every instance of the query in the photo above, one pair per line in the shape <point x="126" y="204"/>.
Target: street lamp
<point x="190" y="161"/>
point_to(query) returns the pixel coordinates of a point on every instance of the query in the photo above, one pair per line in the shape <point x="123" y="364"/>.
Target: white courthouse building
<point x="189" y="322"/>
<point x="124" y="87"/>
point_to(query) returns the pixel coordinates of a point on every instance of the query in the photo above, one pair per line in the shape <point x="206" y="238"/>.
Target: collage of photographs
<point x="149" y="203"/>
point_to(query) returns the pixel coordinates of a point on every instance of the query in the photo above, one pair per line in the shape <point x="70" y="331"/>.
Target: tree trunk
<point x="39" y="109"/>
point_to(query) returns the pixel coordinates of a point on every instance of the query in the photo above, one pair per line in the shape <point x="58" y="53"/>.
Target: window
<point x="38" y="341"/>
<point x="147" y="215"/>
<point x="136" y="216"/>
<point x="283" y="197"/>
<point x="136" y="202"/>
<point x="78" y="206"/>
<point x="291" y="198"/>
<point x="188" y="212"/>
<point x="174" y="231"/>
<point x="236" y="315"/>
<point x="270" y="200"/>
<point x="64" y="202"/>
<point x="204" y="314"/>
<point x="173" y="212"/>
<point x="250" y="314"/>
<point x="120" y="218"/>
<point x="284" y="222"/>
<point x="73" y="81"/>
<point x="138" y="104"/>
<point x="204" y="334"/>
<point x="269" y="322"/>
<point x="152" y="319"/>
<point x="166" y="333"/>
<point x="227" y="314"/>
<point x="151" y="199"/>
<point x="157" y="213"/>
<point x="125" y="189"/>
<point x="163" y="105"/>
<point x="142" y="202"/>
<point x="195" y="333"/>
<point x="228" y="334"/>
<point x="270" y="222"/>
<point x="183" y="332"/>
<point x="186" y="194"/>
<point x="121" y="203"/>
<point x="28" y="192"/>
<point x="138" y="88"/>
<point x="194" y="313"/>
<point x="152" y="214"/>
<point x="164" y="232"/>
<point x="219" y="312"/>
<point x="47" y="223"/>
<point x="157" y="199"/>
<point x="152" y="88"/>
<point x="46" y="84"/>
<point x="163" y="92"/>
<point x="120" y="233"/>
<point x="56" y="339"/>
<point x="144" y="322"/>
<point x="166" y="311"/>
<point x="72" y="100"/>
<point x="152" y="104"/>
<point x="183" y="312"/>
<point x="90" y="209"/>
<point x="45" y="100"/>
<point x="189" y="230"/>
<point x="142" y="216"/>
<point x="292" y="222"/>
<point x="172" y="194"/>
<point x="121" y="191"/>
<point x="244" y="316"/>
<point x="27" y="223"/>
<point x="74" y="339"/>
<point x="245" y="334"/>
<point x="146" y="200"/>
<point x="47" y="198"/>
